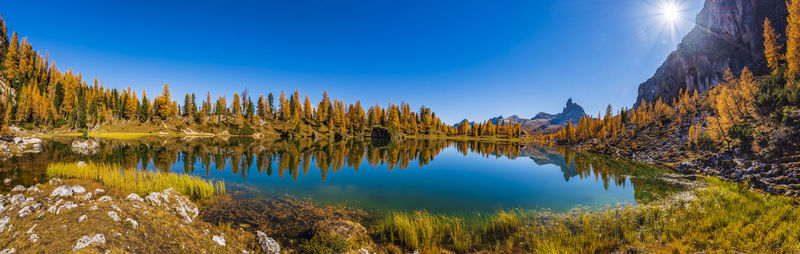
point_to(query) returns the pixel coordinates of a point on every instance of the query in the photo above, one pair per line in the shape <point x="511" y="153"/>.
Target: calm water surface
<point x="438" y="176"/>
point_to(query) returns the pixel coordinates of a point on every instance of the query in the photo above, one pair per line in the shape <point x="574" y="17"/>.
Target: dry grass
<point x="717" y="218"/>
<point x="141" y="182"/>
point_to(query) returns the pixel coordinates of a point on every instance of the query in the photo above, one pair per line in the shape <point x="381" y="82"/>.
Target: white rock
<point x="93" y="208"/>
<point x="98" y="191"/>
<point x="86" y="241"/>
<point x="82" y="218"/>
<point x="104" y="199"/>
<point x="62" y="191"/>
<point x="54" y="181"/>
<point x="2" y="208"/>
<point x="66" y="206"/>
<point x="267" y="244"/>
<point x="18" y="188"/>
<point x="4" y="223"/>
<point x="134" y="197"/>
<point x="30" y="230"/>
<point x="28" y="209"/>
<point x="80" y="164"/>
<point x="33" y="238"/>
<point x="133" y="223"/>
<point x="115" y="207"/>
<point x="17" y="199"/>
<point x="87" y="196"/>
<point x="155" y="198"/>
<point x="54" y="207"/>
<point x="113" y="216"/>
<point x="8" y="251"/>
<point x="7" y="181"/>
<point x="33" y="188"/>
<point x="77" y="189"/>
<point x="219" y="239"/>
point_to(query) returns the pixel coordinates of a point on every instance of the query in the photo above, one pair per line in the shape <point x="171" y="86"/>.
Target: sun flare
<point x="670" y="12"/>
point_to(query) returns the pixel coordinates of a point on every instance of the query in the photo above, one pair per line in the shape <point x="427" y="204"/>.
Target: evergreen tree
<point x="271" y="104"/>
<point x="144" y="108"/>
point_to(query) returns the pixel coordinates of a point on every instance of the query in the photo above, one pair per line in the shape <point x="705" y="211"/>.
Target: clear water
<point x="438" y="176"/>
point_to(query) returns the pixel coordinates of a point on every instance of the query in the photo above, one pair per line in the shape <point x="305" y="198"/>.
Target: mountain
<point x="544" y="121"/>
<point x="728" y="34"/>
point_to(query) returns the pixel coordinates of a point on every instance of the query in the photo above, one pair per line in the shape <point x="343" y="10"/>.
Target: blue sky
<point x="463" y="59"/>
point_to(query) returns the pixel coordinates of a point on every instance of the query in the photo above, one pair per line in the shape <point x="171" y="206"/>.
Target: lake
<point x="434" y="175"/>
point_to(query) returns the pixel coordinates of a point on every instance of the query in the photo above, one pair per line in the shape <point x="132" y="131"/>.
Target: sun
<point x="670" y="12"/>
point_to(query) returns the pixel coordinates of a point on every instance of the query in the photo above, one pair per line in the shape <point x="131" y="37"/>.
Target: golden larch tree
<point x="771" y="47"/>
<point x="793" y="39"/>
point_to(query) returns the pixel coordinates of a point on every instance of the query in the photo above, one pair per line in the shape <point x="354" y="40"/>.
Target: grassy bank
<point x="720" y="217"/>
<point x="141" y="182"/>
<point x="123" y="135"/>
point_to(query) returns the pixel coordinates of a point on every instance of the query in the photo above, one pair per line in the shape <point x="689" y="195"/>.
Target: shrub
<point x="325" y="244"/>
<point x="704" y="141"/>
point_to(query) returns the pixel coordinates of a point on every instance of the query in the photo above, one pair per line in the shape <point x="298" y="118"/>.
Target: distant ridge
<point x="544" y="122"/>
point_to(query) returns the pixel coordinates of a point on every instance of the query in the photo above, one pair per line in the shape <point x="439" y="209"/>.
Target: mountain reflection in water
<point x="466" y="175"/>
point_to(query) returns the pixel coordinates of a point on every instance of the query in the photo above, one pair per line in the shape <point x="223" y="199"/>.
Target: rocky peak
<point x="728" y="34"/>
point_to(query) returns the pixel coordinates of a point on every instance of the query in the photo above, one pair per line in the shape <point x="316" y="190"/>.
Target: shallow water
<point x="434" y="175"/>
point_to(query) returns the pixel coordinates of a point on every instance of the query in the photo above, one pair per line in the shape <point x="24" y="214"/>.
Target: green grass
<point x="719" y="217"/>
<point x="141" y="182"/>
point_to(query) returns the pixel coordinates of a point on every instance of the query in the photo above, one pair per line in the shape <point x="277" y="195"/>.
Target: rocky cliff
<point x="728" y="34"/>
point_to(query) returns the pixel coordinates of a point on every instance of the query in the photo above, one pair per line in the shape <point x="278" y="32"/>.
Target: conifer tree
<point x="271" y="105"/>
<point x="144" y="108"/>
<point x="11" y="59"/>
<point x="262" y="108"/>
<point x="284" y="107"/>
<point x="307" y="109"/>
<point x="236" y="109"/>
<point x="793" y="39"/>
<point x="771" y="47"/>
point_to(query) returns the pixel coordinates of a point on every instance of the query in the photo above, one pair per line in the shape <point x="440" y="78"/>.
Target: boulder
<point x="267" y="244"/>
<point x="134" y="197"/>
<point x="219" y="239"/>
<point x="114" y="216"/>
<point x="17" y="199"/>
<point x="385" y="134"/>
<point x="85" y="241"/>
<point x="18" y="188"/>
<point x="62" y="191"/>
<point x="4" y="223"/>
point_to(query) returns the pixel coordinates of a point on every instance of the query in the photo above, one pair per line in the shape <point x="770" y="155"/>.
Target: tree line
<point x="42" y="96"/>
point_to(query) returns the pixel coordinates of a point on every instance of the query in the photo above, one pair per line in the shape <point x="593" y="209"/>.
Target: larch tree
<point x="262" y="108"/>
<point x="771" y="47"/>
<point x="236" y="109"/>
<point x="308" y="110"/>
<point x="793" y="39"/>
<point x="11" y="59"/>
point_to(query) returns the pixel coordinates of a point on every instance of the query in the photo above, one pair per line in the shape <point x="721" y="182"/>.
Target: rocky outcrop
<point x="385" y="134"/>
<point x="728" y="34"/>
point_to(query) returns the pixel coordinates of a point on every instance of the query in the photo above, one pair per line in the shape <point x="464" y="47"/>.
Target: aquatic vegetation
<point x="718" y="217"/>
<point x="141" y="182"/>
